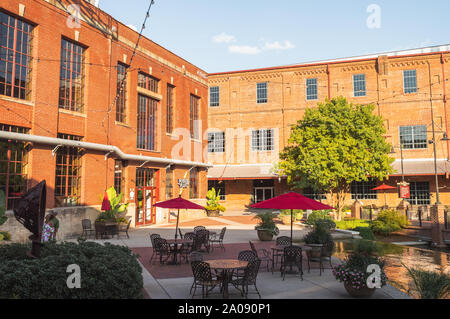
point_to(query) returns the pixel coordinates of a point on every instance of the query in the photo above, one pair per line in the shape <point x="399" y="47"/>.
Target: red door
<point x="145" y="210"/>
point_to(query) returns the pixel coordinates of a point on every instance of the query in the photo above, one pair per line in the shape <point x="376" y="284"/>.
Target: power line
<point x="122" y="83"/>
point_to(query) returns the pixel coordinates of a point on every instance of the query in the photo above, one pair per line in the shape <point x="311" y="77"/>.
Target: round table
<point x="227" y="267"/>
<point x="174" y="243"/>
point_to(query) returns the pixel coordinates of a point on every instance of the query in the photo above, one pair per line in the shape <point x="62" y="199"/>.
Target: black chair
<point x="197" y="228"/>
<point x="263" y="255"/>
<point x="214" y="240"/>
<point x="320" y="254"/>
<point x="87" y="228"/>
<point x="292" y="257"/>
<point x="202" y="236"/>
<point x="249" y="278"/>
<point x="187" y="249"/>
<point x="155" y="252"/>
<point x="189" y="236"/>
<point x="281" y="241"/>
<point x="203" y="278"/>
<point x="162" y="248"/>
<point x="246" y="255"/>
<point x="124" y="229"/>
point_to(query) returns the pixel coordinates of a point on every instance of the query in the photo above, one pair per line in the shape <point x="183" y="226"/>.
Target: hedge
<point x="107" y="272"/>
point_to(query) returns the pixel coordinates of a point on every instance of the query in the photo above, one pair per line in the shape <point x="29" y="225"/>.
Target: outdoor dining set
<point x="241" y="273"/>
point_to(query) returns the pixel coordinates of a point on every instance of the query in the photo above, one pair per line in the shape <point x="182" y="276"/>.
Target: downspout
<point x="107" y="149"/>
<point x="329" y="82"/>
<point x="445" y="102"/>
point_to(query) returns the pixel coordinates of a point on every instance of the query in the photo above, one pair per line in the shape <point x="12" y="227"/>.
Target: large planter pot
<point x="213" y="213"/>
<point x="265" y="235"/>
<point x="359" y="293"/>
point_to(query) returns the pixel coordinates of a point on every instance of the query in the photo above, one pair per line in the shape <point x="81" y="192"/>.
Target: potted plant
<point x="113" y="209"/>
<point x="354" y="271"/>
<point x="3" y="218"/>
<point x="213" y="207"/>
<point x="321" y="236"/>
<point x="266" y="227"/>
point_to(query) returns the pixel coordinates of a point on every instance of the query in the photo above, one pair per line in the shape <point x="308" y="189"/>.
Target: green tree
<point x="334" y="145"/>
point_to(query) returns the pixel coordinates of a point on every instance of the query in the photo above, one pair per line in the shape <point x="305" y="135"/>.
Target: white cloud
<point x="132" y="27"/>
<point x="278" y="46"/>
<point x="244" y="49"/>
<point x="224" y="38"/>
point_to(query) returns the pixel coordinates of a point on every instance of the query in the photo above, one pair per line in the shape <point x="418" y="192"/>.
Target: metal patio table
<point x="226" y="267"/>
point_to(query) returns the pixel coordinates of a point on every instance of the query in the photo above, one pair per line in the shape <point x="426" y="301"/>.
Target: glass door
<point x="145" y="210"/>
<point x="263" y="193"/>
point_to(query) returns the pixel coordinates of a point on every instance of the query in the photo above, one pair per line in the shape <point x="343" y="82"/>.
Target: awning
<point x="264" y="171"/>
<point x="420" y="167"/>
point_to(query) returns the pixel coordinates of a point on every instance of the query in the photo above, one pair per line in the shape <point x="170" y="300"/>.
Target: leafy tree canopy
<point x="336" y="144"/>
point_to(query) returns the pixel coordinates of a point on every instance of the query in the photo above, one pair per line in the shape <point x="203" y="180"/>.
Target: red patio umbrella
<point x="292" y="201"/>
<point x="178" y="203"/>
<point x="106" y="206"/>
<point x="384" y="188"/>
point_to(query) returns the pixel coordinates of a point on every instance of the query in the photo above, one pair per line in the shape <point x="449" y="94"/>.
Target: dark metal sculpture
<point x="30" y="212"/>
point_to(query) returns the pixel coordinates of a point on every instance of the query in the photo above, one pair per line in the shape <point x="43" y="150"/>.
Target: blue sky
<point x="241" y="34"/>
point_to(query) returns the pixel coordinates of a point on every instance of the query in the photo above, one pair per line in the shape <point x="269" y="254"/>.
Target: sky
<point x="219" y="36"/>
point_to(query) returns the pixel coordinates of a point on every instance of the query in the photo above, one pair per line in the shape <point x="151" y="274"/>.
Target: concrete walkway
<point x="270" y="286"/>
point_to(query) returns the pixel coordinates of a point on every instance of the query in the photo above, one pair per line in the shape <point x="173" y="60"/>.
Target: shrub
<point x="389" y="221"/>
<point x="6" y="235"/>
<point x="107" y="272"/>
<point x="365" y="233"/>
<point x="319" y="235"/>
<point x="426" y="284"/>
<point x="352" y="224"/>
<point x="266" y="223"/>
<point x="316" y="215"/>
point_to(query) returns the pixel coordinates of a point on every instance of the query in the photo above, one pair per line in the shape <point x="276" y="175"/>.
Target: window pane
<point x="71" y="76"/>
<point x="359" y="84"/>
<point x="261" y="92"/>
<point x="413" y="137"/>
<point x="214" y="96"/>
<point x="121" y="93"/>
<point x="311" y="89"/>
<point x="15" y="57"/>
<point x="410" y="81"/>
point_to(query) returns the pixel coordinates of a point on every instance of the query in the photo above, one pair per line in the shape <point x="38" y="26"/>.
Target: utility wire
<point x="122" y="83"/>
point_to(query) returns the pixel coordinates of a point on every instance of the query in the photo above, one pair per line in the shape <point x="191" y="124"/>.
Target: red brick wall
<point x="95" y="124"/>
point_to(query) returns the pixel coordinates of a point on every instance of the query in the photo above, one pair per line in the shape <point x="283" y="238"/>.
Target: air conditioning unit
<point x="93" y="2"/>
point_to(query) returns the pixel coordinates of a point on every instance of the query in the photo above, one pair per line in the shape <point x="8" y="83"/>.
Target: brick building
<point x="251" y="113"/>
<point x="78" y="113"/>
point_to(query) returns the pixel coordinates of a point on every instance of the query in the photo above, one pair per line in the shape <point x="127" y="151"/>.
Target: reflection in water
<point x="395" y="255"/>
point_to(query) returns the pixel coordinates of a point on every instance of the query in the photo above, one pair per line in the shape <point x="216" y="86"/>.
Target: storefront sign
<point x="183" y="183"/>
<point x="404" y="191"/>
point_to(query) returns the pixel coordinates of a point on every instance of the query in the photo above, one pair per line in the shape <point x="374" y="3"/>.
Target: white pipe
<point x="96" y="147"/>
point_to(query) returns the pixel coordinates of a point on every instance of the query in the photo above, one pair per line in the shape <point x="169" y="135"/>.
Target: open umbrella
<point x="178" y="203"/>
<point x="292" y="201"/>
<point x="383" y="188"/>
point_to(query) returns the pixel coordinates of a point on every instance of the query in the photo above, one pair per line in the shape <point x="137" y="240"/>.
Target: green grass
<point x="350" y="224"/>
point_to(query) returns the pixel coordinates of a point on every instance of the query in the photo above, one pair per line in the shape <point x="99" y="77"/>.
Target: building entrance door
<point x="145" y="210"/>
<point x="263" y="193"/>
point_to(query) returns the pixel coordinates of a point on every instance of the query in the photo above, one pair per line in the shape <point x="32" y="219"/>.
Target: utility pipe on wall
<point x="96" y="147"/>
